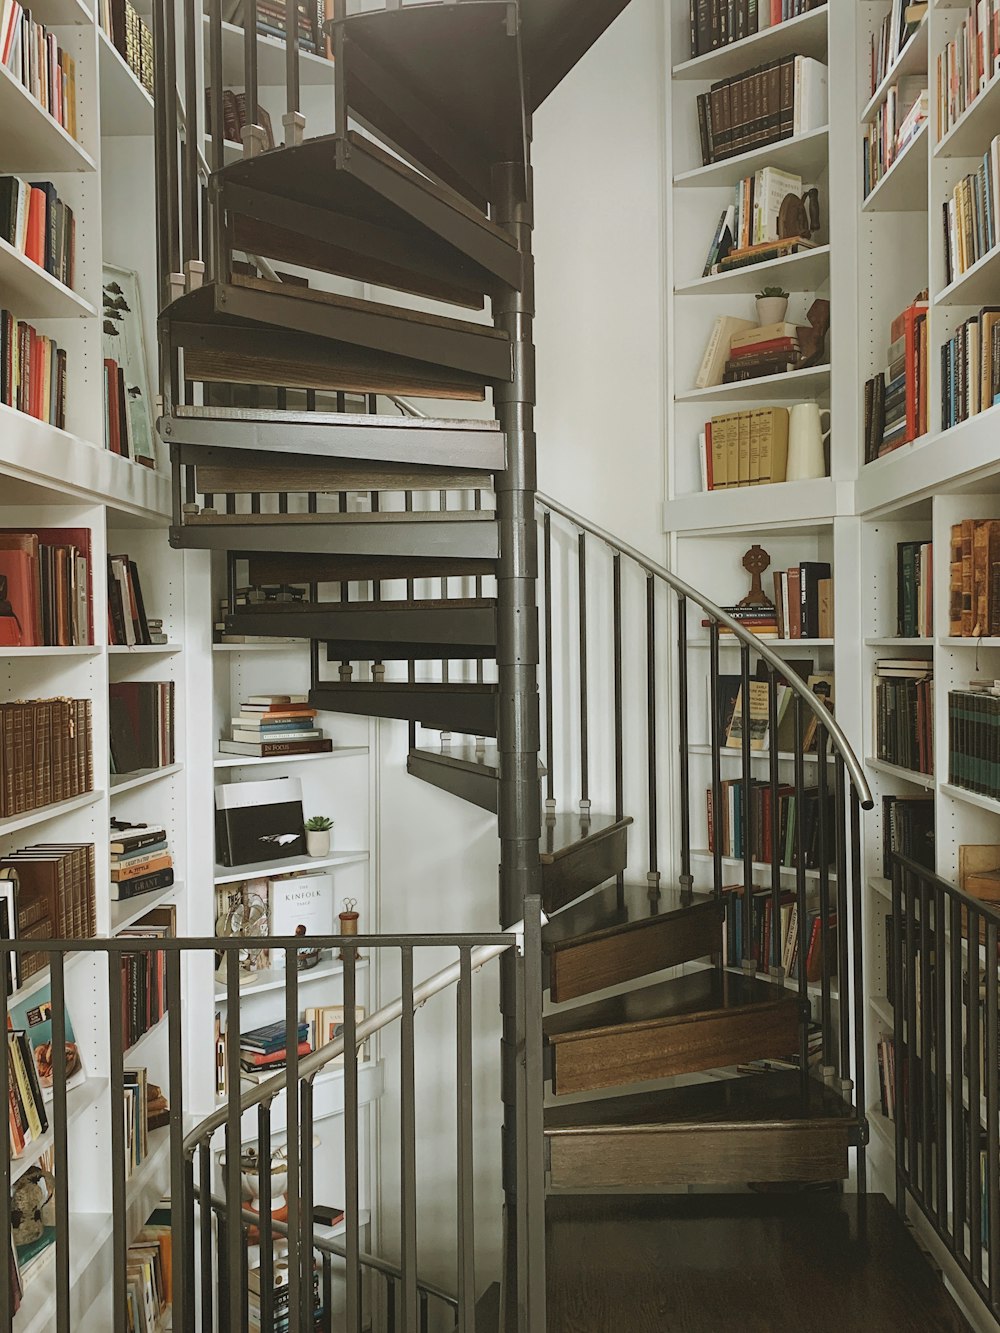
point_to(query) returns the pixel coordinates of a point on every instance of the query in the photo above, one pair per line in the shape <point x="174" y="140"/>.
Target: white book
<point x="810" y="101"/>
<point x="713" y="363"/>
<point x="303" y="900"/>
<point x="772" y="188"/>
<point x="703" y="460"/>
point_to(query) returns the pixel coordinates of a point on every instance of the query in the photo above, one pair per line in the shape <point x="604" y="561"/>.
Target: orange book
<point x="34" y="244"/>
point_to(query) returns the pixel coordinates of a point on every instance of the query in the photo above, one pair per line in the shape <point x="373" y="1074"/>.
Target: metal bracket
<point x="295" y="128"/>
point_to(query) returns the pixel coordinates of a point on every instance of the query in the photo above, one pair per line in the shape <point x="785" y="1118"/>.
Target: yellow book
<point x="773" y="429"/>
<point x="755" y="433"/>
<point x="733" y="449"/>
<point x="743" y="427"/>
<point x="719" y="472"/>
<point x="34" y="1124"/>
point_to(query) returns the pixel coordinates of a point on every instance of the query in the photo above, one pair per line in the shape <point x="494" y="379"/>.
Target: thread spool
<point x="349" y="922"/>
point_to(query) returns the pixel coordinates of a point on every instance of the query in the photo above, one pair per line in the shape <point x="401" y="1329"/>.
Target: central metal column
<point x="519" y="808"/>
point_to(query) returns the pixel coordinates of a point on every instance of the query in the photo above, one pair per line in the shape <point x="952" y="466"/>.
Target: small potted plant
<point x="772" y="303"/>
<point x="318" y="835"/>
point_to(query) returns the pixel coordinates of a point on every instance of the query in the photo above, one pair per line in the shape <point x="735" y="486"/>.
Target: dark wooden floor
<point x="822" y="1263"/>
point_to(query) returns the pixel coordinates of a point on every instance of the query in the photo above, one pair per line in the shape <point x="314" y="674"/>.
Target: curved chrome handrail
<point x="799" y="687"/>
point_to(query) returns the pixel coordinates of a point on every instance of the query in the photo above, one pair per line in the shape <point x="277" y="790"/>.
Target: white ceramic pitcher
<point x="806" y="442"/>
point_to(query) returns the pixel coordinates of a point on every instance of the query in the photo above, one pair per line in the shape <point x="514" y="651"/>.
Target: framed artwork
<point x="122" y="341"/>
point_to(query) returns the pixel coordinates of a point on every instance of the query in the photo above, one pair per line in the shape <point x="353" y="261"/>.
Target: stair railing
<point x="620" y="715"/>
<point x="939" y="1067"/>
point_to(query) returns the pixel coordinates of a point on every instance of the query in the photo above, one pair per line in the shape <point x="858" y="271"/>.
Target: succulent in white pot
<point x="318" y="835"/>
<point x="772" y="303"/>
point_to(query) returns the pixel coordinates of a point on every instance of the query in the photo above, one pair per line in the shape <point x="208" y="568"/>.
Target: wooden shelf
<point x="802" y="36"/>
<point x="971" y="797"/>
<point x="273" y="978"/>
<point x="35" y="294"/>
<point x="892" y="642"/>
<point x="880" y="885"/>
<point x="126" y="107"/>
<point x="967" y="641"/>
<point x="128" y="911"/>
<point x="122" y="782"/>
<point x="734" y="755"/>
<point x="780" y="505"/>
<point x="54" y="811"/>
<point x="78" y="1100"/>
<point x="75" y="650"/>
<point x="258" y="647"/>
<point x="911" y="60"/>
<point x="945" y="461"/>
<point x="881" y="1006"/>
<point x="977" y="285"/>
<point x="313" y="69"/>
<point x="759" y="867"/>
<point x="903" y="188"/>
<point x="804" y="153"/>
<point x="263" y="869"/>
<point x="41" y="145"/>
<point x="925" y="780"/>
<point x="971" y="133"/>
<point x="248" y="761"/>
<point x="730" y="641"/>
<point x="793" y="386"/>
<point x="801" y="272"/>
<point x="144" y="649"/>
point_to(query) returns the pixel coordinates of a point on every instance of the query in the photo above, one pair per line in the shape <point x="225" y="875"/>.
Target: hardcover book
<point x="259" y="821"/>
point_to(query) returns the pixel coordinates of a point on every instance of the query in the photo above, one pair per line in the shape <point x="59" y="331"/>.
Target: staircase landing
<point x="763" y="1264"/>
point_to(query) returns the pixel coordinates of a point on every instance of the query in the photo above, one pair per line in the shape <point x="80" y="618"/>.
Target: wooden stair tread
<point x="773" y="1098"/>
<point x="466" y="756"/>
<point x="386" y="608"/>
<point x="683" y="1000"/>
<point x="779" y="1263"/>
<point x="426" y="688"/>
<point x="565" y="833"/>
<point x="335" y="519"/>
<point x="326" y="567"/>
<point x="607" y="913"/>
<point x="556" y="35"/>
<point x="335" y="420"/>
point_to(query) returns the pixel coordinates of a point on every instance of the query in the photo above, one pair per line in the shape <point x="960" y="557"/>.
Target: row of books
<point x="47" y="574"/>
<point x="276" y="724"/>
<point x="149" y="1274"/>
<point x="27" y="1115"/>
<point x="716" y="23"/>
<point x="141" y="724"/>
<point x="898" y="121"/>
<point x="889" y="38"/>
<point x="144" y="975"/>
<point x="974" y="739"/>
<point x="264" y="1050"/>
<point x="968" y="62"/>
<point x="140" y="860"/>
<point x="970" y="368"/>
<point x="47" y="891"/>
<point x="740" y="823"/>
<point x="45" y="753"/>
<point x="908" y="828"/>
<point x="145" y="1109"/>
<point x="748" y="227"/>
<point x="130" y="37"/>
<point x="234" y="117"/>
<point x="730" y="706"/>
<point x="887" y="1076"/>
<point x="125" y="431"/>
<point x="32" y="371"/>
<point x="970" y="215"/>
<point x="761" y="945"/>
<point x="30" y="52"/>
<point x="742" y="349"/>
<point x="803" y="600"/>
<point x="914" y="590"/>
<point x="974" y="582"/>
<point x="39" y="225"/>
<point x="280" y="1300"/>
<point x="128" y="623"/>
<point x="272" y="22"/>
<point x="904" y="713"/>
<point x="747" y="448"/>
<point x="761" y="106"/>
<point x="895" y="400"/>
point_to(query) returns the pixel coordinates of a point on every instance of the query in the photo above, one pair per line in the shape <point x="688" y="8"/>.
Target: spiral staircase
<point x="283" y="402"/>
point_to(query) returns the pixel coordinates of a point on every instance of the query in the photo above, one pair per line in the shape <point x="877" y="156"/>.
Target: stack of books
<point x="36" y="222"/>
<point x="144" y="975"/>
<point x="761" y="944"/>
<point x="897" y="123"/>
<point x="974" y="738"/>
<point x="760" y="620"/>
<point x="974" y="583"/>
<point x="149" y="1273"/>
<point x="140" y="860"/>
<point x="141" y="725"/>
<point x="716" y="23"/>
<point x="889" y="38"/>
<point x="263" y="1051"/>
<point x="895" y="400"/>
<point x="904" y="712"/>
<point x="128" y="624"/>
<point x="45" y="744"/>
<point x="53" y="897"/>
<point x="745" y="448"/>
<point x="803" y="600"/>
<point x="32" y="371"/>
<point x="761" y="106"/>
<point x="47" y="571"/>
<point x="271" y="22"/>
<point x="970" y="215"/>
<point x="271" y="725"/>
<point x="772" y="349"/>
<point x="130" y="37"/>
<point x="747" y="231"/>
<point x="914" y="590"/>
<point x="279" y="1300"/>
<point x="27" y="1115"/>
<point x="30" y="52"/>
<point x="970" y="368"/>
<point x="967" y="63"/>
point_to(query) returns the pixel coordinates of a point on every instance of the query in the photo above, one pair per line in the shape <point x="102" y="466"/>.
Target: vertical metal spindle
<point x="616" y="622"/>
<point x="205" y="1239"/>
<point x="975" y="1053"/>
<point x="581" y="548"/>
<point x="327" y="1294"/>
<point x="478" y="591"/>
<point x="466" y="1201"/>
<point x="265" y="1206"/>
<point x="298" y="1245"/>
<point x="992" y="1111"/>
<point x="250" y="59"/>
<point x="172" y="174"/>
<point x="58" y="1126"/>
<point x="215" y="86"/>
<point x="748" y="822"/>
<point x="119" y="1241"/>
<point x="957" y="1074"/>
<point x="940" y="1061"/>
<point x="826" y="970"/>
<point x="424" y="1313"/>
<point x="408" y="1137"/>
<point x="653" y="874"/>
<point x="7" y="954"/>
<point x="926" y="1031"/>
<point x="352" y="1317"/>
<point x="292" y="98"/>
<point x="193" y="95"/>
<point x="800" y="890"/>
<point x="411" y="665"/>
<point x="857" y="988"/>
<point x="306" y="1200"/>
<point x="234" y="1135"/>
<point x="683" y="743"/>
<point x="716" y="741"/>
<point x="390" y="1305"/>
<point x="899" y="1017"/>
<point x="774" y="832"/>
<point x="183" y="1237"/>
<point x="909" y="1104"/>
<point x="840" y="864"/>
<point x="550" y="792"/>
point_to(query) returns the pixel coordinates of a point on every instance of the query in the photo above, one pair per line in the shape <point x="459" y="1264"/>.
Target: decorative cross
<point x="755" y="562"/>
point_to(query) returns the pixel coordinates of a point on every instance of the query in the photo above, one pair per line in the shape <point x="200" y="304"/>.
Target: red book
<point x="111" y="404"/>
<point x="708" y="456"/>
<point x="34" y="243"/>
<point x="17" y="567"/>
<point x="773" y="345"/>
<point x="35" y="407"/>
<point x="275" y="1058"/>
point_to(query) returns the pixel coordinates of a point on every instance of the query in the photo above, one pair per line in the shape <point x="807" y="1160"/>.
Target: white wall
<point x="599" y="333"/>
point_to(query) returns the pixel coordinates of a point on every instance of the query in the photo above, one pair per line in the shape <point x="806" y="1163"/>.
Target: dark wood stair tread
<point x="564" y="834"/>
<point x="335" y="519"/>
<point x="608" y="912"/>
<point x="764" y="1263"/>
<point x="556" y="35"/>
<point x="684" y="999"/>
<point x="771" y="1098"/>
<point x="462" y="707"/>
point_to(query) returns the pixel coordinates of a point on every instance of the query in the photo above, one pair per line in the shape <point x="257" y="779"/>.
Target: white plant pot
<point x="318" y="842"/>
<point x="771" y="309"/>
